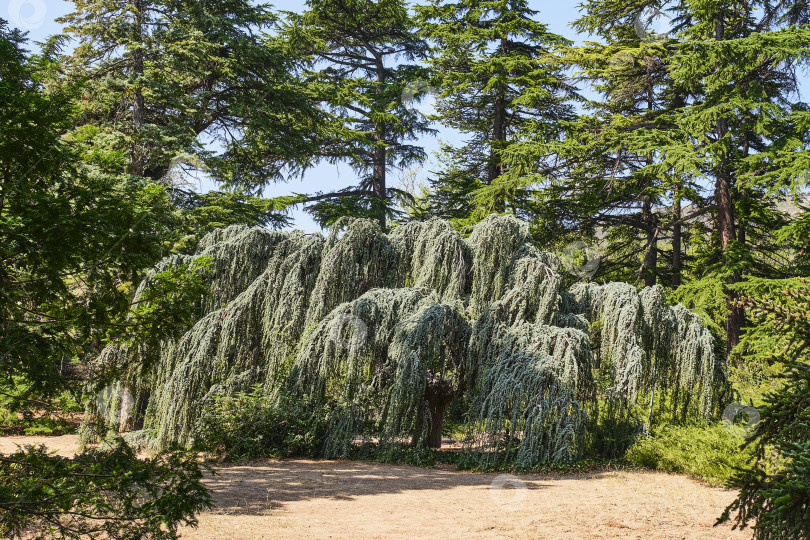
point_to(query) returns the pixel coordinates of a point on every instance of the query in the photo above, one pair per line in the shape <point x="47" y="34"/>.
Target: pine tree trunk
<point x="726" y="229"/>
<point x="379" y="183"/>
<point x="676" y="240"/>
<point x="651" y="255"/>
<point x="378" y="161"/>
<point x="725" y="220"/>
<point x="137" y="68"/>
<point x="495" y="168"/>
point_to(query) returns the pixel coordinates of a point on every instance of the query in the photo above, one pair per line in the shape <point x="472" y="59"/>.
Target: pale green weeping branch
<point x="335" y="353"/>
<point x="362" y="259"/>
<point x="357" y="357"/>
<point x="524" y="415"/>
<point x="239" y="255"/>
<point x="434" y="256"/>
<point x="565" y="352"/>
<point x="534" y="293"/>
<point x="496" y="243"/>
<point x="381" y="332"/>
<point x="261" y="326"/>
<point x="650" y="346"/>
<point x="254" y="334"/>
<point x="429" y="350"/>
<point x="695" y="366"/>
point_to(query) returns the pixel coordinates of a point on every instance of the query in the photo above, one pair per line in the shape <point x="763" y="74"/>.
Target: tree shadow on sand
<point x="258" y="487"/>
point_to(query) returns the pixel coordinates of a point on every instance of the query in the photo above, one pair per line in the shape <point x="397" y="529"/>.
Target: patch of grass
<point x="401" y="454"/>
<point x="454" y="430"/>
<point x="708" y="452"/>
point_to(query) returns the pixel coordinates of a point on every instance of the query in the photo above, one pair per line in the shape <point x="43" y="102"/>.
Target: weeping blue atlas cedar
<point x="385" y="331"/>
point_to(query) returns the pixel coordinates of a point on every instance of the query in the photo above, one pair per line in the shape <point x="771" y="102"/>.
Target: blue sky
<point x="38" y="18"/>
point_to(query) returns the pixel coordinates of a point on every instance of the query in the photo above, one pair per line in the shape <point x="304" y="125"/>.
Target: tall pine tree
<point x="745" y="137"/>
<point x="362" y="58"/>
<point x="162" y="79"/>
<point x="608" y="181"/>
<point x="498" y="77"/>
<point x="704" y="116"/>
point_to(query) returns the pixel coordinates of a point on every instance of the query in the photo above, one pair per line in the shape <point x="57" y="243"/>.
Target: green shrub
<point x="100" y="493"/>
<point x="612" y="435"/>
<point x="407" y="454"/>
<point x="709" y="452"/>
<point x="251" y="425"/>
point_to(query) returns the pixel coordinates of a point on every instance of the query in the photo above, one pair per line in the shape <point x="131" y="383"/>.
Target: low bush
<point x="709" y="452"/>
<point x="20" y="415"/>
<point x="251" y="425"/>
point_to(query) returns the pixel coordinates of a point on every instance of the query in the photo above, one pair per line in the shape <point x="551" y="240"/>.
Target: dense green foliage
<point x="376" y="334"/>
<point x="250" y="425"/>
<point x="158" y="76"/>
<point x="106" y="492"/>
<point x="53" y="416"/>
<point x="74" y="239"/>
<point x="680" y="163"/>
<point x="499" y="80"/>
<point x="360" y="57"/>
<point x="711" y="453"/>
<point x="775" y="492"/>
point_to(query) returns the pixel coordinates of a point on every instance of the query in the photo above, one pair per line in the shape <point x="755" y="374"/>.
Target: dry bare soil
<point x="348" y="499"/>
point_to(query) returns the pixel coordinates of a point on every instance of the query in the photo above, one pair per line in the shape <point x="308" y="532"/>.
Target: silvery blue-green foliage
<point x="617" y="307"/>
<point x="497" y="243"/>
<point x="245" y="341"/>
<point x="430" y="343"/>
<point x="248" y="326"/>
<point x="373" y="354"/>
<point x="534" y="289"/>
<point x="696" y="374"/>
<point x="647" y="345"/>
<point x="428" y="249"/>
<point x="524" y="415"/>
<point x="367" y="326"/>
<point x="362" y="259"/>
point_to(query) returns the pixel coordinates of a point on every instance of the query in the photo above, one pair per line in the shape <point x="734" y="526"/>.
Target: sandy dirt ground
<point x="64" y="446"/>
<point x="344" y="499"/>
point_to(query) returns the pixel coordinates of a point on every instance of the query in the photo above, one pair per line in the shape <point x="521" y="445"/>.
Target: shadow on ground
<point x="238" y="489"/>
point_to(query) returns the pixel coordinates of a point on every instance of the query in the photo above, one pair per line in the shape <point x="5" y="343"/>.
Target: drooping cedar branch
<point x="384" y="331"/>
